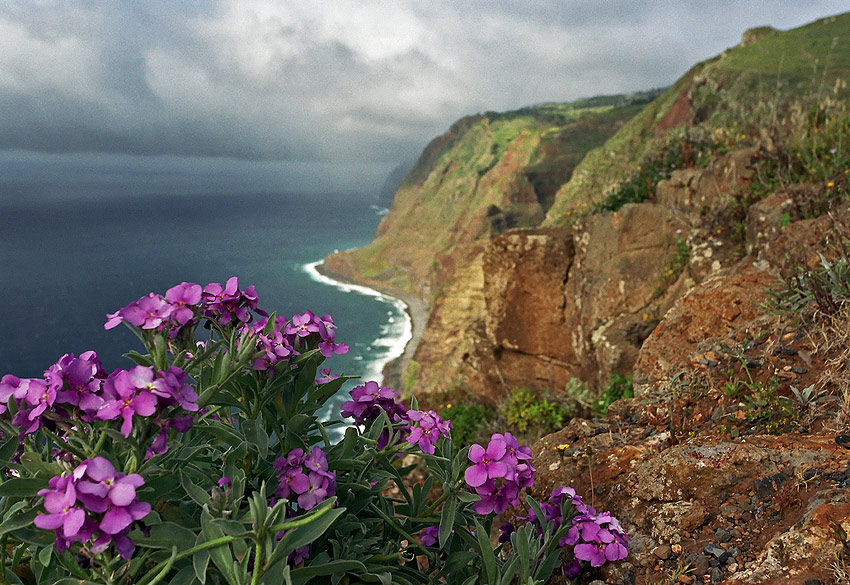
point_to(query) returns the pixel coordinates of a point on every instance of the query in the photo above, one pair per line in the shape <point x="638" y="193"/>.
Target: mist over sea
<point x="67" y="262"/>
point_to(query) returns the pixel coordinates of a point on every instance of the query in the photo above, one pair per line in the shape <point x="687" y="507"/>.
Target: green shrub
<point x="618" y="387"/>
<point x="525" y="412"/>
<point x="469" y="422"/>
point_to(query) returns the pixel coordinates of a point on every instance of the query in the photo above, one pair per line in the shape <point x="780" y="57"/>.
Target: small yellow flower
<point x="743" y="136"/>
<point x="638" y="167"/>
<point x="449" y="405"/>
<point x="719" y="230"/>
<point x="562" y="448"/>
<point x="646" y="317"/>
<point x="670" y="271"/>
<point x="847" y="171"/>
<point x="830" y="184"/>
<point x="717" y="130"/>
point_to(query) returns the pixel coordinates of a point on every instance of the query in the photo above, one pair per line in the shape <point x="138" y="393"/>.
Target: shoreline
<point x="415" y="310"/>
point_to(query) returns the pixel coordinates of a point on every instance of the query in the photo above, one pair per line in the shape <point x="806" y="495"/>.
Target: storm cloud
<point x="349" y="81"/>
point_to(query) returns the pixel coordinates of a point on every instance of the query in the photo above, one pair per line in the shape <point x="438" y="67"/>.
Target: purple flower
<point x="119" y="489"/>
<point x="505" y="531"/>
<point x="317" y="492"/>
<point x="595" y="538"/>
<point x="305" y="476"/>
<point x="428" y="536"/>
<point x="12" y="387"/>
<point x="369" y="400"/>
<point x="494" y="499"/>
<point x="572" y="570"/>
<point x="59" y="501"/>
<point x="488" y="463"/>
<point x="124" y="398"/>
<point x="181" y="298"/>
<point x="302" y="325"/>
<point x="148" y="312"/>
<point x="228" y="303"/>
<point x="75" y="379"/>
<point x="429" y="430"/>
<point x="96" y="502"/>
<point x="326" y="376"/>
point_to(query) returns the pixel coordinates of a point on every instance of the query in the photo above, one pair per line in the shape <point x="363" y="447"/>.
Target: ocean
<point x="66" y="263"/>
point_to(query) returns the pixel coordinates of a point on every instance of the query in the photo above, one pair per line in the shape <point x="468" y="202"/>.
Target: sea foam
<point x="394" y="334"/>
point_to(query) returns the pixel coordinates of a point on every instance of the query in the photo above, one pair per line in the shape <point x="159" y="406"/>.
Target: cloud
<point x="351" y="80"/>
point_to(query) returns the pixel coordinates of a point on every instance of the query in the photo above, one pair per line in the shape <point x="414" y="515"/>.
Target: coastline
<point x="415" y="310"/>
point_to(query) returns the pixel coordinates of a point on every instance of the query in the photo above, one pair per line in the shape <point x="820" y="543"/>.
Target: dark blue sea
<point x="67" y="262"/>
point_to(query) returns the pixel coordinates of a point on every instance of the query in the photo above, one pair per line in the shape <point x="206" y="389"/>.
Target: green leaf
<point x="12" y="578"/>
<point x="339" y="567"/>
<point x="508" y="573"/>
<point x="25" y="487"/>
<point x="447" y="520"/>
<point x="165" y="535"/>
<point x="304" y="535"/>
<point x="44" y="555"/>
<point x="184" y="576"/>
<point x="220" y="431"/>
<point x="231" y="527"/>
<point x="198" y="495"/>
<point x="18" y="521"/>
<point x="221" y="556"/>
<point x="72" y="581"/>
<point x="459" y="559"/>
<point x="33" y="535"/>
<point x="537" y="511"/>
<point x="139" y="359"/>
<point x="200" y="561"/>
<point x="9" y="448"/>
<point x="520" y="543"/>
<point x="256" y="436"/>
<point x="35" y="466"/>
<point x="467" y="497"/>
<point x="487" y="555"/>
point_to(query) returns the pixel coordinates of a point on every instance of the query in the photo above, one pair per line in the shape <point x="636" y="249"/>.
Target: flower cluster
<point x="426" y="428"/>
<point x="94" y="505"/>
<point x="370" y="400"/>
<point x="306" y="476"/>
<point x="185" y="303"/>
<point x="78" y="388"/>
<point x="595" y="538"/>
<point x="498" y="473"/>
<point x="283" y="339"/>
<point x="227" y="306"/>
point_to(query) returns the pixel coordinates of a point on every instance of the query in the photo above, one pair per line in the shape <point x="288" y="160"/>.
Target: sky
<point x="319" y="95"/>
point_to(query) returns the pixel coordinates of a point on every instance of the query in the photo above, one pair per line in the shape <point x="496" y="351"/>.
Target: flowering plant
<point x="207" y="461"/>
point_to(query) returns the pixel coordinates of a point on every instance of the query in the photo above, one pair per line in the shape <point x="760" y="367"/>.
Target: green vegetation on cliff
<point x="488" y="173"/>
<point x="762" y="92"/>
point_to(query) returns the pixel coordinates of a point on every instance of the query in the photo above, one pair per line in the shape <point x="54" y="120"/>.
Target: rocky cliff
<point x="488" y="173"/>
<point x="703" y="249"/>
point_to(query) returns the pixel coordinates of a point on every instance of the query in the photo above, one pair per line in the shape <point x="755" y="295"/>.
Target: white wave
<point x="395" y="335"/>
<point x="380" y="211"/>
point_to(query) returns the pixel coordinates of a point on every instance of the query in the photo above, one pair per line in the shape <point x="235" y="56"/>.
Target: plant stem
<point x="258" y="562"/>
<point x="443" y="497"/>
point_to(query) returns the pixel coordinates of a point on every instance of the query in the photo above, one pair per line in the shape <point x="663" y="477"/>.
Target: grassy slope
<point x="747" y="86"/>
<point x="513" y="160"/>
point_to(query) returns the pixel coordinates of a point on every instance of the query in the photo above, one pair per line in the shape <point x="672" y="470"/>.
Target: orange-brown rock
<point x="774" y="497"/>
<point x="722" y="307"/>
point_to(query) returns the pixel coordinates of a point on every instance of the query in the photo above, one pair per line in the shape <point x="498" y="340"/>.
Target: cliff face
<point x="488" y="173"/>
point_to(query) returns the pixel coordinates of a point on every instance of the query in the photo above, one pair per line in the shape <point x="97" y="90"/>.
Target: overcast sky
<point x="307" y="86"/>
